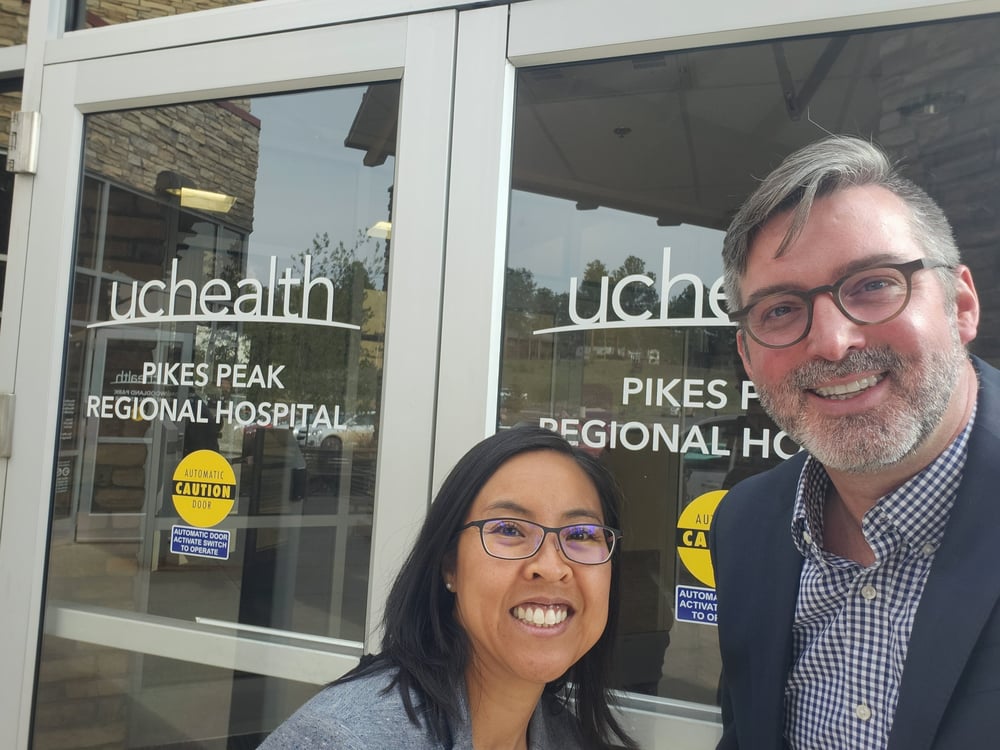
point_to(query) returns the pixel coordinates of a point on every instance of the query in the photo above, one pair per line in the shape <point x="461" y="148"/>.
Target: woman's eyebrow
<point x="508" y="505"/>
<point x="579" y="513"/>
<point x="515" y="507"/>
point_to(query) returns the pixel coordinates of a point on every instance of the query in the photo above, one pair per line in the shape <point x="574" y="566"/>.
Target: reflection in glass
<point x="13" y="24"/>
<point x="228" y="306"/>
<point x="88" y="14"/>
<point x="625" y="175"/>
<point x="146" y="701"/>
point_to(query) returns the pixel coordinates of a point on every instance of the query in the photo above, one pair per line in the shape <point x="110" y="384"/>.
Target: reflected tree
<point x="327" y="365"/>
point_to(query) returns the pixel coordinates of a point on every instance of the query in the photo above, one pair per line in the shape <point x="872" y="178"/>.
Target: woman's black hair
<point x="427" y="646"/>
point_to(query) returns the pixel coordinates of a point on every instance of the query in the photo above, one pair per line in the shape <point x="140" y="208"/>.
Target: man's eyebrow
<point x="872" y="261"/>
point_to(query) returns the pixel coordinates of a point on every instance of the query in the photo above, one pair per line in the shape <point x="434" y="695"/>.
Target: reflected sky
<point x="308" y="182"/>
<point x="555" y="241"/>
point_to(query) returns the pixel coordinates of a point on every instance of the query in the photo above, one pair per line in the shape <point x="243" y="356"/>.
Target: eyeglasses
<point x="516" y="539"/>
<point x="866" y="297"/>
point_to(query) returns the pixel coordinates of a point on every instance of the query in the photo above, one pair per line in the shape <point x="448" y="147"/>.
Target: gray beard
<point x="866" y="443"/>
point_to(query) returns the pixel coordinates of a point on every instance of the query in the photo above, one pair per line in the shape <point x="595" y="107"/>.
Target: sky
<point x="308" y="182"/>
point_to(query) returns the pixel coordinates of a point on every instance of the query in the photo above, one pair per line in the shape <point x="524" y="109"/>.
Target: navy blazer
<point x="949" y="697"/>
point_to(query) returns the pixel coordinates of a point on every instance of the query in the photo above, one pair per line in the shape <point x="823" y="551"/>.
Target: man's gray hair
<point x="819" y="169"/>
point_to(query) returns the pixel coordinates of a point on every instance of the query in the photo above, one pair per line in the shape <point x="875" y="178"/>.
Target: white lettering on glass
<point x="179" y="299"/>
<point x="608" y="296"/>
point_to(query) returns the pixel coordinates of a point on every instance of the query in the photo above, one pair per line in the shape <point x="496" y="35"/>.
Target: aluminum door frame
<point x="418" y="49"/>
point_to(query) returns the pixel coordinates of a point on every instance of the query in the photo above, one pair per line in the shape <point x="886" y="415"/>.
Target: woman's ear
<point x="448" y="571"/>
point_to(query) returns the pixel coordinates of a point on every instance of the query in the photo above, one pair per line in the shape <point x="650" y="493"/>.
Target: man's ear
<point x="966" y="305"/>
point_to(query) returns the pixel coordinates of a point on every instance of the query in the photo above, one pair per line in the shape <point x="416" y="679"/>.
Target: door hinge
<point x="22" y="155"/>
<point x="6" y="423"/>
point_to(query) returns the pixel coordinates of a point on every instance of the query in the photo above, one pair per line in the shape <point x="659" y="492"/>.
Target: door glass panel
<point x="626" y="173"/>
<point x="152" y="701"/>
<point x="220" y="410"/>
<point x="88" y="14"/>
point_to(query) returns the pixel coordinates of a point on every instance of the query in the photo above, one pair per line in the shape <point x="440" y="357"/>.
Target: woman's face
<point x="498" y="601"/>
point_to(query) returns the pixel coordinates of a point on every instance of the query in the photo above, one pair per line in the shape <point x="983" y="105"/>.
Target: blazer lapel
<point x="962" y="589"/>
<point x="773" y="659"/>
<point x="765" y="610"/>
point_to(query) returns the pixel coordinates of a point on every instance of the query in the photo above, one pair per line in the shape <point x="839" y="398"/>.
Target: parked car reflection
<point x="357" y="431"/>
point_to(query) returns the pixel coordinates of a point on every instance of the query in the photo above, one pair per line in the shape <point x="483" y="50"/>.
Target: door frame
<point x="419" y="50"/>
<point x="540" y="34"/>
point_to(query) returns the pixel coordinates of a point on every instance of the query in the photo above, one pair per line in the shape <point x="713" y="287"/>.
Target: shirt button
<point x="928" y="549"/>
<point x="868" y="592"/>
<point x="862" y="712"/>
<point x="807" y="537"/>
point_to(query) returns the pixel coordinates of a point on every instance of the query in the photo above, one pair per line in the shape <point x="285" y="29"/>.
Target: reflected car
<point x="510" y="398"/>
<point x="356" y="431"/>
<point x="300" y="430"/>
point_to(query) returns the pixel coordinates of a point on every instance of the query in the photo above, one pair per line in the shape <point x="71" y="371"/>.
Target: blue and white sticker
<point x="696" y="604"/>
<point x="198" y="542"/>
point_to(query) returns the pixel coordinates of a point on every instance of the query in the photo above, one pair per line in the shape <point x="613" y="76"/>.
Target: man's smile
<point x="848" y="390"/>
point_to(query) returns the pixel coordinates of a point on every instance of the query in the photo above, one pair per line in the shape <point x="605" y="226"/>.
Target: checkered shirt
<point x="852" y="623"/>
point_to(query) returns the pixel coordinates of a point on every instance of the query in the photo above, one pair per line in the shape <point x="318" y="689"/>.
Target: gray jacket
<point x="356" y="715"/>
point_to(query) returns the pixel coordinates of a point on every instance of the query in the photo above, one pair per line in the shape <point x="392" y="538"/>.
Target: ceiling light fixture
<point x="204" y="200"/>
<point x="380" y="230"/>
<point x="171" y="183"/>
<point x="932" y="103"/>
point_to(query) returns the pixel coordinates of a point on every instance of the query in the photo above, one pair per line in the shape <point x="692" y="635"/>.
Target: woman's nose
<point x="549" y="561"/>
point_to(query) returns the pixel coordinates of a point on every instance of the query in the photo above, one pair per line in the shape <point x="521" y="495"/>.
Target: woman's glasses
<point x="516" y="539"/>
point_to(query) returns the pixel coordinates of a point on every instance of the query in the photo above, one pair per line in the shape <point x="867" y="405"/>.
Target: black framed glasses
<point x="866" y="297"/>
<point x="517" y="539"/>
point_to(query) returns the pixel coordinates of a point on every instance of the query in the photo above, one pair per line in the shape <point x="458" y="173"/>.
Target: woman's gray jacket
<point x="359" y="715"/>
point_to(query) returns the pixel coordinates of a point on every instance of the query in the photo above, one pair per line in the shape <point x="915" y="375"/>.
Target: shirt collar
<point x="919" y="508"/>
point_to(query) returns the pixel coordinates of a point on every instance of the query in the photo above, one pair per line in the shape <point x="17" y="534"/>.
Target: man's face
<point x="860" y="398"/>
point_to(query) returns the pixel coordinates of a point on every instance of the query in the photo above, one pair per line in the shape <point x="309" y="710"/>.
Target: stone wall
<point x="83" y="689"/>
<point x="13" y="22"/>
<point x="214" y="145"/>
<point x="105" y="12"/>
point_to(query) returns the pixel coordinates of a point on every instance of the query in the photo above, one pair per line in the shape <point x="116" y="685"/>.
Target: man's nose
<point x="832" y="334"/>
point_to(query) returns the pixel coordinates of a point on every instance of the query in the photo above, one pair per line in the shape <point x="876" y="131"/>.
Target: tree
<point x="637" y="298"/>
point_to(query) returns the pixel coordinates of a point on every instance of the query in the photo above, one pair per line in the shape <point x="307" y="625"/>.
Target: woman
<point x="504" y="610"/>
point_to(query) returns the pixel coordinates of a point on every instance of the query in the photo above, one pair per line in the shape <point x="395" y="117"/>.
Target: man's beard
<point x="921" y="388"/>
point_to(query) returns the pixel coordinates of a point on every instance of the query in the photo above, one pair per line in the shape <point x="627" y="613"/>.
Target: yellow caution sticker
<point x="692" y="536"/>
<point x="204" y="488"/>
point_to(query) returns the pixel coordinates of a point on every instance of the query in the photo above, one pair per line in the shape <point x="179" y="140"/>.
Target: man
<point x="858" y="581"/>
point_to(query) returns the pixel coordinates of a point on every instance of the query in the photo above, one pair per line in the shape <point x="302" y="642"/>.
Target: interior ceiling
<point x="679" y="137"/>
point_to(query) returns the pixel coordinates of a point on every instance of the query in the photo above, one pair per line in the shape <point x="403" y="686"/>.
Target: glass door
<point x="634" y="143"/>
<point x="231" y="386"/>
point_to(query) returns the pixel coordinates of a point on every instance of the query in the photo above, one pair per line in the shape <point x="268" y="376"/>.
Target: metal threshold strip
<point x="274" y="653"/>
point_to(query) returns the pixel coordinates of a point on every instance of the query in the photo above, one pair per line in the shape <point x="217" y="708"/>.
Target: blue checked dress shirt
<point x="852" y="623"/>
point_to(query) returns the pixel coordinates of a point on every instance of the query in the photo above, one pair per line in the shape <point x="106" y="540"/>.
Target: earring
<point x="448" y="586"/>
